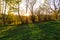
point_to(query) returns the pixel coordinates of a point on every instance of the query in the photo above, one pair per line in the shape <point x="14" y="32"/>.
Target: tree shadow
<point x="33" y="31"/>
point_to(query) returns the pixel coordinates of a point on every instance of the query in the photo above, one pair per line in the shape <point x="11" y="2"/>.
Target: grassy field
<point x="34" y="31"/>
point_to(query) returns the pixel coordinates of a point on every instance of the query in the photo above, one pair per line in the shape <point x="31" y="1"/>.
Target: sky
<point x="36" y="5"/>
<point x="23" y="5"/>
<point x="35" y="8"/>
<point x="38" y="2"/>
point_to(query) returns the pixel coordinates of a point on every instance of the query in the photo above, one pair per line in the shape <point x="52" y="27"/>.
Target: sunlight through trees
<point x="26" y="10"/>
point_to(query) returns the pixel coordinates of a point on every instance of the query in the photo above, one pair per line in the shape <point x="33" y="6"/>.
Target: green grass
<point x="34" y="31"/>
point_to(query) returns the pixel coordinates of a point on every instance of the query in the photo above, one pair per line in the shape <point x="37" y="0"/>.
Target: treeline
<point x="45" y="11"/>
<point x="15" y="19"/>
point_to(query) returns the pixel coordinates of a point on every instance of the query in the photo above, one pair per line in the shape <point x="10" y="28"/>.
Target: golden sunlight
<point x="27" y="14"/>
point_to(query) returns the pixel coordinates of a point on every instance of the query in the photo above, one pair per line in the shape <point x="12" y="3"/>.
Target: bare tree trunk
<point x="39" y="16"/>
<point x="4" y="20"/>
<point x="27" y="5"/>
<point x="33" y="18"/>
<point x="19" y="12"/>
<point x="31" y="9"/>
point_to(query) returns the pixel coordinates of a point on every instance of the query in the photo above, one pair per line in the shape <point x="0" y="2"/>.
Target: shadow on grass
<point x="33" y="31"/>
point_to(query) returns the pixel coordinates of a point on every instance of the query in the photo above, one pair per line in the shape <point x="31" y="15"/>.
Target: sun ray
<point x="27" y="14"/>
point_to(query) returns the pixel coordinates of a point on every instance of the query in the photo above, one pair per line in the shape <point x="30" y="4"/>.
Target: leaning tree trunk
<point x="32" y="5"/>
<point x="4" y="17"/>
<point x="19" y="11"/>
<point x="33" y="16"/>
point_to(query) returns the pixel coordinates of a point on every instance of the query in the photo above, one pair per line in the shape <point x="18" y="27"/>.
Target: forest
<point x="29" y="19"/>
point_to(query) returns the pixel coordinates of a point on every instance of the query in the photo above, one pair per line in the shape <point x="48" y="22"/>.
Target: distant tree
<point x="31" y="4"/>
<point x="54" y="6"/>
<point x="3" y="10"/>
<point x="18" y="2"/>
<point x="11" y="18"/>
<point x="14" y="6"/>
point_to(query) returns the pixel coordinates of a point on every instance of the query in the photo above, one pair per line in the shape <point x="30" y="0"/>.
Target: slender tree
<point x="56" y="7"/>
<point x="31" y="3"/>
